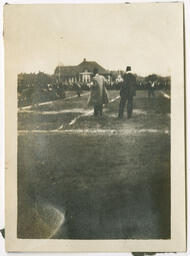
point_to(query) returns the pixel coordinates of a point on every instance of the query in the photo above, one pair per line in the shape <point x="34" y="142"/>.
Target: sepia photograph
<point x="96" y="130"/>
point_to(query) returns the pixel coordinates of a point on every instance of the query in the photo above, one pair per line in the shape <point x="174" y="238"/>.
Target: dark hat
<point x="128" y="68"/>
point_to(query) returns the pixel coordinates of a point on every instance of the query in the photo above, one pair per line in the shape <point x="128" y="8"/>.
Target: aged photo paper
<point x="95" y="134"/>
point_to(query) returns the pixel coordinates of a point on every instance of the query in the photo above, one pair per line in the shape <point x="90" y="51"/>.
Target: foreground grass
<point x="107" y="186"/>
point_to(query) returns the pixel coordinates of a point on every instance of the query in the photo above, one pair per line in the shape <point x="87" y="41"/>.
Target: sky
<point x="114" y="35"/>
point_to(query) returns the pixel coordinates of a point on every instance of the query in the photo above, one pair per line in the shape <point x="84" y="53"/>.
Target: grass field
<point x="105" y="179"/>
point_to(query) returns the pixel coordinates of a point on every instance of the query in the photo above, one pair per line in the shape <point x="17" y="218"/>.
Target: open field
<point x="148" y="113"/>
<point x="97" y="178"/>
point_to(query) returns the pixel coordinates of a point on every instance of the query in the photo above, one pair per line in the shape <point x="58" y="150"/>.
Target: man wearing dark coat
<point x="127" y="92"/>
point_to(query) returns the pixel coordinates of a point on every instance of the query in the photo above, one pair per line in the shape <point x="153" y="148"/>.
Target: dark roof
<point x="67" y="70"/>
<point x="85" y="65"/>
<point x="90" y="66"/>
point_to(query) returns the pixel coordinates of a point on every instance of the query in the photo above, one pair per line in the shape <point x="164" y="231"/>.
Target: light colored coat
<point x="98" y="92"/>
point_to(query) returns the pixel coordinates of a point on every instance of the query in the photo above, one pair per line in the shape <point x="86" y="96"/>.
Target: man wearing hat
<point x="127" y="91"/>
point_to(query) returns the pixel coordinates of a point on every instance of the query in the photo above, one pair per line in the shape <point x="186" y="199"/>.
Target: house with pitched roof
<point x="79" y="73"/>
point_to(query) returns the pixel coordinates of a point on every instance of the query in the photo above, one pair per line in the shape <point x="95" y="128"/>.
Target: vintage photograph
<point x="94" y="87"/>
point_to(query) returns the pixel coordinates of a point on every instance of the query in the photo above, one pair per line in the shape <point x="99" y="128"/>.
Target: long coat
<point x="128" y="87"/>
<point x="98" y="92"/>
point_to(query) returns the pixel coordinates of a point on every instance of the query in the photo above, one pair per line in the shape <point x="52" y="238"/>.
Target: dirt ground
<point x="98" y="178"/>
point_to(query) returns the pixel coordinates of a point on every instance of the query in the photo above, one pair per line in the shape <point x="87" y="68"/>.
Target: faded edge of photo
<point x="178" y="228"/>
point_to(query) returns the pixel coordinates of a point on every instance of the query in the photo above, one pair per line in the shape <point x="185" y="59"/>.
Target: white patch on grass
<point x="165" y="95"/>
<point x="114" y="99"/>
<point x="88" y="113"/>
<point x="40" y="104"/>
<point x="51" y="102"/>
<point x="95" y="131"/>
<point x="82" y="111"/>
<point x="74" y="110"/>
<point x="139" y="112"/>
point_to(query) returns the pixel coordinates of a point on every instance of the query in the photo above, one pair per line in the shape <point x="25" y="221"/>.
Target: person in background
<point x="36" y="95"/>
<point x="151" y="89"/>
<point x="98" y="93"/>
<point x="77" y="88"/>
<point x="127" y="92"/>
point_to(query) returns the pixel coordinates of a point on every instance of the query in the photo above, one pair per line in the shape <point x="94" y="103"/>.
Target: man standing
<point x="127" y="91"/>
<point x="151" y="89"/>
<point x="98" y="93"/>
<point x="77" y="88"/>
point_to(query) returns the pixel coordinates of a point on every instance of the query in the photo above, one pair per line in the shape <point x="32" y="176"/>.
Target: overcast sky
<point x="140" y="35"/>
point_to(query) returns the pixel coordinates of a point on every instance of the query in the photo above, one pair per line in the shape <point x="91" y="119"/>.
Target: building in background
<point x="81" y="73"/>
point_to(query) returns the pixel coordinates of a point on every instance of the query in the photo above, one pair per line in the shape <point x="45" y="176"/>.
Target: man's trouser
<point x="98" y="109"/>
<point x="129" y="106"/>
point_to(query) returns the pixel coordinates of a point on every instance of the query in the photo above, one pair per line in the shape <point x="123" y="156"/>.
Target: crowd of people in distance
<point x="35" y="93"/>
